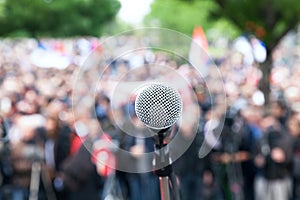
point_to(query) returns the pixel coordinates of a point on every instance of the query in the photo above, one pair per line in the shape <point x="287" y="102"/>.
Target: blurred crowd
<point x="51" y="149"/>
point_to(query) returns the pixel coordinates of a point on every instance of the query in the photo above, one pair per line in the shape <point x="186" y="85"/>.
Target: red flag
<point x="198" y="56"/>
<point x="200" y="38"/>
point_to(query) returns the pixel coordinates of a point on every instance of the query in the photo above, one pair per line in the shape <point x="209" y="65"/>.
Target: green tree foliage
<point x="184" y="15"/>
<point x="269" y="20"/>
<point x="56" y="18"/>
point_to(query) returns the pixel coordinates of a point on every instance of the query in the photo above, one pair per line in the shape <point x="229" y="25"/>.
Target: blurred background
<point x="252" y="130"/>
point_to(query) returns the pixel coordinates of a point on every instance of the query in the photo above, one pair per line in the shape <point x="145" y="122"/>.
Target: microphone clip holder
<point x="163" y="167"/>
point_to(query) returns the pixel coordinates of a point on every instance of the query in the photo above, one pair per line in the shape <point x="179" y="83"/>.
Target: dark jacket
<point x="277" y="139"/>
<point x="81" y="179"/>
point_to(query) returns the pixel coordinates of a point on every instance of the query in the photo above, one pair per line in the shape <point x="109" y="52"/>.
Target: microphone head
<point x="158" y="106"/>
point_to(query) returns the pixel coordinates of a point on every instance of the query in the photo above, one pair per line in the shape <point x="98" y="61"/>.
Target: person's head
<point x="51" y="127"/>
<point x="279" y="110"/>
<point x="269" y="121"/>
<point x="293" y="125"/>
<point x="252" y="114"/>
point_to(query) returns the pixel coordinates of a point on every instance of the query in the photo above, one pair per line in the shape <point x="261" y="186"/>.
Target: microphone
<point x="158" y="106"/>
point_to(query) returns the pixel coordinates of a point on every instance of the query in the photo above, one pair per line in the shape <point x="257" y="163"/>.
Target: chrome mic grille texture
<point x="158" y="106"/>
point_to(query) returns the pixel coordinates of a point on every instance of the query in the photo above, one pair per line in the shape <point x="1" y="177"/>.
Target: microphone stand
<point x="163" y="168"/>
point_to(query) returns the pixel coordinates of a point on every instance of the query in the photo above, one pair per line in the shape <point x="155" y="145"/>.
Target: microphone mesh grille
<point x="158" y="106"/>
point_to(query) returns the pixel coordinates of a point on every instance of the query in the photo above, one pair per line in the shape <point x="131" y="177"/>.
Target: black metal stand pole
<point x="163" y="169"/>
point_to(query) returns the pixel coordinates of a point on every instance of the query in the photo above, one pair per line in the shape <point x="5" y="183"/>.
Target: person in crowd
<point x="189" y="167"/>
<point x="293" y="125"/>
<point x="26" y="153"/>
<point x="231" y="159"/>
<point x="274" y="157"/>
<point x="5" y="161"/>
<point x="251" y="135"/>
<point x="280" y="111"/>
<point x="104" y="113"/>
<point x="140" y="185"/>
<point x="79" y="177"/>
<point x="58" y="143"/>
